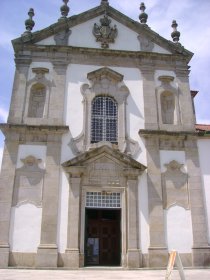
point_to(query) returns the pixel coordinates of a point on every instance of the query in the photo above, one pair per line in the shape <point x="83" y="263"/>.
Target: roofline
<point x="92" y="13"/>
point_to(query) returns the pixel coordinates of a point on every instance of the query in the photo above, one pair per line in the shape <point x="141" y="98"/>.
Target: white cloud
<point x="3" y="114"/>
<point x="203" y="121"/>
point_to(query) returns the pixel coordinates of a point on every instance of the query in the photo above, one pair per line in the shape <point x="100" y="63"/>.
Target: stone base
<point x="4" y="256"/>
<point x="158" y="257"/>
<point x="47" y="257"/>
<point x="17" y="259"/>
<point x="72" y="259"/>
<point x="134" y="258"/>
<point x="201" y="256"/>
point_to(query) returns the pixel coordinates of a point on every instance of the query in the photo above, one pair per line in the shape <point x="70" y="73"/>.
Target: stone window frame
<point x="166" y="87"/>
<point x="39" y="78"/>
<point x="108" y="82"/>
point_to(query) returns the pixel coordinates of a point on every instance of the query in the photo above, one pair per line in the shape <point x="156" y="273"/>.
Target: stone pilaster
<point x="19" y="91"/>
<point x="134" y="256"/>
<point x="157" y="251"/>
<point x="6" y="192"/>
<point x="47" y="251"/>
<point x="72" y="256"/>
<point x="150" y="107"/>
<point x="185" y="100"/>
<point x="57" y="98"/>
<point x="201" y="248"/>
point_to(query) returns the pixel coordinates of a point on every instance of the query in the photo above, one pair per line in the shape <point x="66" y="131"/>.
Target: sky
<point x="192" y="17"/>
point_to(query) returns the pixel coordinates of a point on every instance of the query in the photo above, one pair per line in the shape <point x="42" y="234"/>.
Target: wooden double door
<point x="103" y="237"/>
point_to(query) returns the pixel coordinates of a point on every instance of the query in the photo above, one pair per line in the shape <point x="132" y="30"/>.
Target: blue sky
<point x="191" y="15"/>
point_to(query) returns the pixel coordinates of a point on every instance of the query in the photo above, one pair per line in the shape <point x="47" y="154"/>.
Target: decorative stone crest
<point x="40" y="73"/>
<point x="61" y="38"/>
<point x="105" y="33"/>
<point x="175" y="186"/>
<point x="145" y="44"/>
<point x="29" y="182"/>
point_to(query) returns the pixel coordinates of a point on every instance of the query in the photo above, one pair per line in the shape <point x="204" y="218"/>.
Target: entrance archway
<point x="103" y="237"/>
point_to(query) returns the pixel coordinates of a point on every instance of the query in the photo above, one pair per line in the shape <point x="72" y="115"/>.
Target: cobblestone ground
<point x="99" y="274"/>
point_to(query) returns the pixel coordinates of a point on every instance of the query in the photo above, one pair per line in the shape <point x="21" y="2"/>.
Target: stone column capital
<point x="75" y="171"/>
<point x="147" y="71"/>
<point x="23" y="64"/>
<point x="60" y="67"/>
<point x="132" y="174"/>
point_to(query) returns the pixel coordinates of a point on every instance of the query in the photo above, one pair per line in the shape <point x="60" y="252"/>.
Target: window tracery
<point x="104" y="120"/>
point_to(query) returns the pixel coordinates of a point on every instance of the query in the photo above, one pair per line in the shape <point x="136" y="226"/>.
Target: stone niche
<point x="175" y="186"/>
<point x="28" y="183"/>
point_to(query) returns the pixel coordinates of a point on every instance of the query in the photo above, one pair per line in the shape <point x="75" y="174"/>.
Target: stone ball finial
<point x="143" y="16"/>
<point x="104" y="2"/>
<point x="29" y="23"/>
<point x="175" y="34"/>
<point x="64" y="10"/>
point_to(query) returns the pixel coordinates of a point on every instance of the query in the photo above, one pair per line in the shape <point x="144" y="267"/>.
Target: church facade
<point x="102" y="163"/>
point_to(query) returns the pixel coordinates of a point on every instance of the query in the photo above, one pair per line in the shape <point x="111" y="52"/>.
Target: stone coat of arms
<point x="105" y="33"/>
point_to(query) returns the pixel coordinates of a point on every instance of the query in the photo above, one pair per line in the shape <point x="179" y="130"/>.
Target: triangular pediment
<point x="144" y="36"/>
<point x="105" y="72"/>
<point x="104" y="154"/>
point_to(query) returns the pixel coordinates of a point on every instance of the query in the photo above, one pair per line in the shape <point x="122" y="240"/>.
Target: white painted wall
<point x="178" y="228"/>
<point x="204" y="156"/>
<point x="38" y="151"/>
<point x="25" y="228"/>
<point x="87" y="39"/>
<point x="178" y="224"/>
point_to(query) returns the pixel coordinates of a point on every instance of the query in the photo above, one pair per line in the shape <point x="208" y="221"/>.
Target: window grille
<point x="103" y="200"/>
<point x="104" y="120"/>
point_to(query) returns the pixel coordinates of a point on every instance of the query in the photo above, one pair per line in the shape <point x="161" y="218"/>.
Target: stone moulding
<point x="33" y="133"/>
<point x="150" y="132"/>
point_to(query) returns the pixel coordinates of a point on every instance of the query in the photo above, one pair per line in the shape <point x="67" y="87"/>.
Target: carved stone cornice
<point x="183" y="134"/>
<point x="167" y="140"/>
<point x="33" y="133"/>
<point x="73" y="54"/>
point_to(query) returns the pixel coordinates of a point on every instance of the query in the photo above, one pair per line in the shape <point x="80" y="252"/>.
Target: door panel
<point x="103" y="226"/>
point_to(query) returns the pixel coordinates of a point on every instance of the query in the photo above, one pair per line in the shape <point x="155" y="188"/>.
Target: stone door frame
<point x="122" y="191"/>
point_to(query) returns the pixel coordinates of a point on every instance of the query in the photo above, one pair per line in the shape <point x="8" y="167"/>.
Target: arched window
<point x="37" y="101"/>
<point x="104" y="120"/>
<point x="167" y="107"/>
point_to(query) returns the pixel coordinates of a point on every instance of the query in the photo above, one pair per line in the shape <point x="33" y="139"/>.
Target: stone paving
<point x="99" y="274"/>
